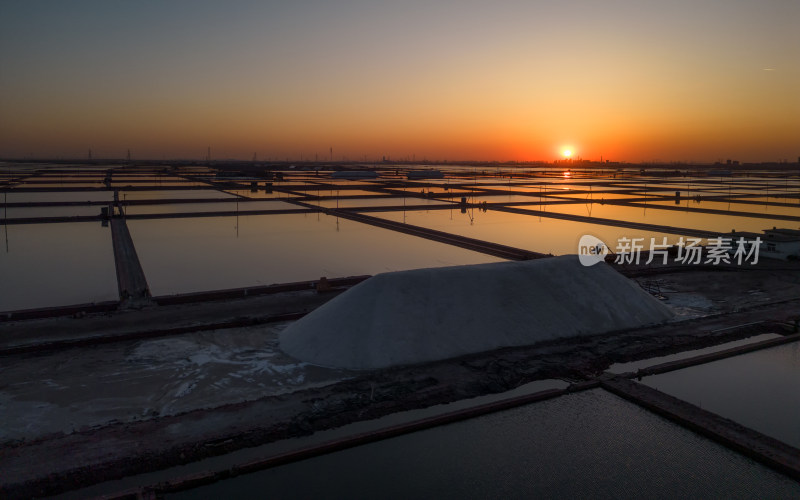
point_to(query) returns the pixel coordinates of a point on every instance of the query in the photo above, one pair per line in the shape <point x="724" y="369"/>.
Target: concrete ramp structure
<point x="422" y="315"/>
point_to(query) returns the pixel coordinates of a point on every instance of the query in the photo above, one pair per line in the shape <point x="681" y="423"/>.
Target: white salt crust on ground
<point x="424" y="315"/>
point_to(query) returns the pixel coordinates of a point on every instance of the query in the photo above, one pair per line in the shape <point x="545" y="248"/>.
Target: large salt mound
<point x="430" y="314"/>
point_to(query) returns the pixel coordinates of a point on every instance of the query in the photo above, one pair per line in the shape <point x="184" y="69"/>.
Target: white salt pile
<point x="431" y="314"/>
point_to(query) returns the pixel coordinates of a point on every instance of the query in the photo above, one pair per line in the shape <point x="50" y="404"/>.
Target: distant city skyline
<point x="623" y="80"/>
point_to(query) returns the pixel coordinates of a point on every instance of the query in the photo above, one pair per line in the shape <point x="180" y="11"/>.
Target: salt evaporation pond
<point x="589" y="444"/>
<point x="759" y="208"/>
<point x="260" y="193"/>
<point x="189" y="255"/>
<point x="377" y="202"/>
<point x="55" y="211"/>
<point x="44" y="265"/>
<point x="759" y="389"/>
<point x="173" y="194"/>
<point x="58" y="196"/>
<point x="222" y="206"/>
<point x="538" y="234"/>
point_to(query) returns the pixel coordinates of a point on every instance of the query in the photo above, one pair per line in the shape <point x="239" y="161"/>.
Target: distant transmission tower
<point x="129" y="156"/>
<point x="208" y="154"/>
<point x="331" y="153"/>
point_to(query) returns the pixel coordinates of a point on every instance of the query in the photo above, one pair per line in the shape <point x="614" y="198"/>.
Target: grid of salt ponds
<point x="45" y="265"/>
<point x="590" y="444"/>
<point x="189" y="255"/>
<point x="538" y="234"/>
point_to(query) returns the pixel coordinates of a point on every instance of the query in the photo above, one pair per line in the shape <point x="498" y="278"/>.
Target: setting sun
<point x="567" y="153"/>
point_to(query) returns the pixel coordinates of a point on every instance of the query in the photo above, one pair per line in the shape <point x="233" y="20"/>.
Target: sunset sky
<point x="628" y="80"/>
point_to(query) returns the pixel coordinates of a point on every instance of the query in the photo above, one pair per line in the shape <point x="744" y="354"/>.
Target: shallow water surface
<point x="759" y="389"/>
<point x="585" y="445"/>
<point x="44" y="265"/>
<point x="188" y="255"/>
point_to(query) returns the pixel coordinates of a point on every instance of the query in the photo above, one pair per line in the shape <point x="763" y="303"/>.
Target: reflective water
<point x="188" y="255"/>
<point x="190" y="251"/>
<point x="260" y="193"/>
<point x="44" y="265"/>
<point x="226" y="206"/>
<point x="539" y="234"/>
<point x="758" y="208"/>
<point x="13" y="197"/>
<point x="760" y="389"/>
<point x="59" y="185"/>
<point x="682" y="219"/>
<point x="584" y="445"/>
<point x="66" y="211"/>
<point x="175" y="194"/>
<point x="317" y="191"/>
<point x="377" y="202"/>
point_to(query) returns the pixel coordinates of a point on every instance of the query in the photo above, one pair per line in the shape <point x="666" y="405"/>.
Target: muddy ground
<point x="713" y="306"/>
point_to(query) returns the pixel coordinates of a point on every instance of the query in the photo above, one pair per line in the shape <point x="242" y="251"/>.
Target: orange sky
<point x="507" y="80"/>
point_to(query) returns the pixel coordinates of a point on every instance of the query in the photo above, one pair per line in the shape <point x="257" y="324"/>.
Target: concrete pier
<point x="131" y="282"/>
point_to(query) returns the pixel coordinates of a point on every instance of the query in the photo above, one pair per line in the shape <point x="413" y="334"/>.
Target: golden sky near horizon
<point x="506" y="80"/>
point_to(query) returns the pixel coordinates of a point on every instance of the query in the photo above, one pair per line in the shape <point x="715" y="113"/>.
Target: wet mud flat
<point x="123" y="446"/>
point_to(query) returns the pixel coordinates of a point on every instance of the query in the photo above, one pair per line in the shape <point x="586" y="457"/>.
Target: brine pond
<point x="47" y="264"/>
<point x="760" y="389"/>
<point x="590" y="444"/>
<point x="211" y="253"/>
